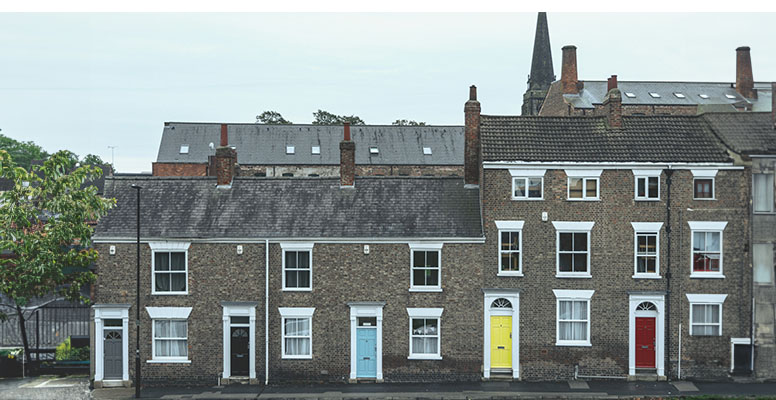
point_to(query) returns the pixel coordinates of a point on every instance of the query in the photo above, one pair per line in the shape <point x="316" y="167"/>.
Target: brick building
<point x="188" y="149"/>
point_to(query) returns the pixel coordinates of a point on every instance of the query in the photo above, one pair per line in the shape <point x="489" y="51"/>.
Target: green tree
<point x="45" y="230"/>
<point x="95" y="161"/>
<point x="404" y="122"/>
<point x="272" y="118"/>
<point x="23" y="153"/>
<point x="322" y="117"/>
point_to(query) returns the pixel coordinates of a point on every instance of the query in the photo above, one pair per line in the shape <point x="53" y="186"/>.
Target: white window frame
<point x="572" y="295"/>
<point x="705" y="174"/>
<point x="425" y="247"/>
<point x="426" y="313"/>
<point x="585" y="175"/>
<point x="646" y="228"/>
<point x="169" y="247"/>
<point x="572" y="227"/>
<point x="770" y="209"/>
<point x="706" y="299"/>
<point x="295" y="246"/>
<point x="295" y="313"/>
<point x="511" y="227"/>
<point x="168" y="314"/>
<point x="646" y="174"/>
<point x="526" y="175"/>
<point x="711" y="227"/>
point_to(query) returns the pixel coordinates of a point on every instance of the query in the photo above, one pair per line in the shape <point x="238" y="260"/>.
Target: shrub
<point x="66" y="353"/>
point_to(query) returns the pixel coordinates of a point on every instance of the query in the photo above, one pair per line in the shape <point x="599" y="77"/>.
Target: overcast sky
<point x="84" y="82"/>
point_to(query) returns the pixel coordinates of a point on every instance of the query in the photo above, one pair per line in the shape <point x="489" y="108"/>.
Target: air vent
<point x="427" y="151"/>
<point x="289" y="149"/>
<point x="655" y="95"/>
<point x="374" y="150"/>
<point x="184" y="149"/>
<point x="630" y="94"/>
<point x="316" y="150"/>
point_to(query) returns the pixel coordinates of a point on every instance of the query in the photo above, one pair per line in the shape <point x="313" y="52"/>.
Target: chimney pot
<point x="347" y="131"/>
<point x="472" y="92"/>
<point x="568" y="73"/>
<point x="611" y="83"/>
<point x="224" y="135"/>
<point x="744" y="78"/>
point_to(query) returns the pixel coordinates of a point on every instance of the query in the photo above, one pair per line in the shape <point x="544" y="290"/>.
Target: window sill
<point x="764" y="213"/>
<point x="422" y="289"/>
<point x="704" y="276"/>
<point x="297" y="289"/>
<point x="169" y="293"/>
<point x="646" y="199"/>
<point x="596" y="199"/>
<point x="172" y="361"/>
<point x="647" y="276"/>
<point x="573" y="344"/>
<point x="424" y="357"/>
<point x="510" y="273"/>
<point x="582" y="276"/>
<point x="310" y="357"/>
<point x="527" y="199"/>
<point x="713" y="198"/>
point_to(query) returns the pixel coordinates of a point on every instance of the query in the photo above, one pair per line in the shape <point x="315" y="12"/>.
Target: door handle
<point x="366" y="358"/>
<point x="501" y="347"/>
<point x="645" y="347"/>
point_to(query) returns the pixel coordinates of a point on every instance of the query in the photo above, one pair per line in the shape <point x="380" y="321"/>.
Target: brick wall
<point x="612" y="267"/>
<point x="178" y="169"/>
<point x="764" y="232"/>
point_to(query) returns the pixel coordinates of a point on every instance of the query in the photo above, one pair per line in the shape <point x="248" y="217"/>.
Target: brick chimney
<point x="347" y="160"/>
<point x="226" y="160"/>
<point x="568" y="72"/>
<point x="613" y="104"/>
<point x="611" y="83"/>
<point x="744" y="79"/>
<point x="471" y="167"/>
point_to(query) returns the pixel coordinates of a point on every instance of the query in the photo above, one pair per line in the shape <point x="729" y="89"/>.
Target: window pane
<point x="564" y="261"/>
<point x="161" y="261"/>
<point x="653" y="187"/>
<point x="698" y="241"/>
<point x="432" y="277"/>
<point x="520" y="189"/>
<point x="419" y="277"/>
<point x="580" y="310"/>
<point x="240" y="320"/>
<point x="575" y="188"/>
<point x="431" y="327"/>
<point x="161" y="328"/>
<point x="591" y="187"/>
<point x="178" y="261"/>
<point x="564" y="311"/>
<point x="303" y="279"/>
<point x="505" y="240"/>
<point x="640" y="187"/>
<point x="712" y="241"/>
<point x="515" y="262"/>
<point x="297" y="346"/>
<point x="419" y="259"/>
<point x="178" y="282"/>
<point x="418" y="326"/>
<point x="291" y="259"/>
<point x="580" y="242"/>
<point x="698" y="313"/>
<point x="566" y="242"/>
<point x="291" y="280"/>
<point x="763" y="263"/>
<point x="303" y="259"/>
<point x="580" y="262"/>
<point x="162" y="282"/>
<point x="535" y="188"/>
<point x="432" y="259"/>
<point x="703" y="188"/>
<point x="763" y="192"/>
<point x="510" y="241"/>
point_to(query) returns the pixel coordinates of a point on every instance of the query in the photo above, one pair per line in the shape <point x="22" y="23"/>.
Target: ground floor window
<point x="706" y="314"/>
<point x="425" y="334"/>
<point x="170" y="333"/>
<point x="297" y="332"/>
<point x="573" y="317"/>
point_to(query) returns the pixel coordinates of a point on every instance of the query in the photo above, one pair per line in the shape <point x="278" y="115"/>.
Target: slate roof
<point x="295" y="208"/>
<point x="748" y="133"/>
<point x="266" y="144"/>
<point x="594" y="92"/>
<point x="589" y="139"/>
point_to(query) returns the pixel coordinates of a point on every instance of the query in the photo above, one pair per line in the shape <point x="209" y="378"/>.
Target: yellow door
<point x="500" y="342"/>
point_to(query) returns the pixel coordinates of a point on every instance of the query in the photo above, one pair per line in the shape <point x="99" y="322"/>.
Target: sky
<point x="88" y="81"/>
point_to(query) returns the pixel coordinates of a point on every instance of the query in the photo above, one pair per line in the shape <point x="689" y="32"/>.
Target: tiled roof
<point x="750" y="133"/>
<point x="298" y="208"/>
<point x="266" y="144"/>
<point x="589" y="139"/>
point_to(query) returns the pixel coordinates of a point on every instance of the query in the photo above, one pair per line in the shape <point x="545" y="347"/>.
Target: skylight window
<point x="655" y="95"/>
<point x="316" y="149"/>
<point x="679" y="95"/>
<point x="184" y="149"/>
<point x="730" y="96"/>
<point x="703" y="96"/>
<point x="289" y="149"/>
<point x="427" y="151"/>
<point x="374" y="150"/>
<point x="630" y="94"/>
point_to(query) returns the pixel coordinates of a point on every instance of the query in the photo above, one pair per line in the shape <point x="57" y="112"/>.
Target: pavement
<point x="77" y="387"/>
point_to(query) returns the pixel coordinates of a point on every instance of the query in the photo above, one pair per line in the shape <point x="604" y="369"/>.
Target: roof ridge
<point x="166" y="123"/>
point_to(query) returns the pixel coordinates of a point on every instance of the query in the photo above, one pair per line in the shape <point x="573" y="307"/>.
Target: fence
<point x="47" y="326"/>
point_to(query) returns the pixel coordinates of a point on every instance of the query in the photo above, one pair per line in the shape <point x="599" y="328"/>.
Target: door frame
<point x="366" y="309"/>
<point x="513" y="295"/>
<point x="103" y="312"/>
<point x="239" y="309"/>
<point x="658" y="299"/>
<point x="733" y="343"/>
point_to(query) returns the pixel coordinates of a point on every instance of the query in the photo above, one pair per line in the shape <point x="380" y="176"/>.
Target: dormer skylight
<point x="630" y="94"/>
<point x="655" y="95"/>
<point x="730" y="96"/>
<point x="679" y="95"/>
<point x="184" y="149"/>
<point x="316" y="150"/>
<point x="289" y="149"/>
<point x="703" y="96"/>
<point x="427" y="151"/>
<point x="374" y="150"/>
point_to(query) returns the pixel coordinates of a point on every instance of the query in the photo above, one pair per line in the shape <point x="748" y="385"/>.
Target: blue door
<point x="366" y="353"/>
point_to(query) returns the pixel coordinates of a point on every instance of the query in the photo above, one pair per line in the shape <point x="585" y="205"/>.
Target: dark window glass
<point x="240" y="320"/>
<point x="704" y="189"/>
<point x="566" y="242"/>
<point x="575" y="188"/>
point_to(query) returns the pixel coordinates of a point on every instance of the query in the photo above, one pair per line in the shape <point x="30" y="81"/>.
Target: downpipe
<point x="577" y="375"/>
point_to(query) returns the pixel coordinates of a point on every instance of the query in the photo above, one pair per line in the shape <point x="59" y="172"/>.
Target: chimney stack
<point x="347" y="160"/>
<point x="471" y="112"/>
<point x="744" y="79"/>
<point x="613" y="105"/>
<point x="568" y="72"/>
<point x="226" y="161"/>
<point x="611" y="83"/>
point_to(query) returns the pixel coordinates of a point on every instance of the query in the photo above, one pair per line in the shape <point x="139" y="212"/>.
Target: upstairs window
<point x="647" y="184"/>
<point x="169" y="265"/>
<point x="297" y="266"/>
<point x="527" y="184"/>
<point x="573" y="249"/>
<point x="703" y="184"/>
<point x="510" y="248"/>
<point x="706" y="249"/>
<point x="583" y="184"/>
<point x="763" y="192"/>
<point x="647" y="249"/>
<point x="426" y="267"/>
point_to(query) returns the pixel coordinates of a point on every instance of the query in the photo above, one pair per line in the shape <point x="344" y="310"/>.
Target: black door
<point x="240" y="358"/>
<point x="742" y="358"/>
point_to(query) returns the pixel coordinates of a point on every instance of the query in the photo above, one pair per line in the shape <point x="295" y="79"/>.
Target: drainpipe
<point x="750" y="256"/>
<point x="669" y="174"/>
<point x="266" y="312"/>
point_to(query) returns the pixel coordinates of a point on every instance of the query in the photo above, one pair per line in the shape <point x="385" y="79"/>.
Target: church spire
<point x="542" y="74"/>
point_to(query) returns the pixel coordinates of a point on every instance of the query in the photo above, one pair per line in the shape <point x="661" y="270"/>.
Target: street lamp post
<point x="138" y="379"/>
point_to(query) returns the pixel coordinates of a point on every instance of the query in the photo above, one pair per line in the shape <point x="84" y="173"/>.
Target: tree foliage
<point x="404" y="122"/>
<point x="272" y="118"/>
<point x="46" y="223"/>
<point x="23" y="153"/>
<point x="322" y="117"/>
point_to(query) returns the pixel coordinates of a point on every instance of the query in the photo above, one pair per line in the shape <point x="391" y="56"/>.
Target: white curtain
<point x="170" y="338"/>
<point x="763" y="192"/>
<point x="763" y="263"/>
<point x="572" y="320"/>
<point x="425" y="336"/>
<point x="297" y="332"/>
<point x="705" y="319"/>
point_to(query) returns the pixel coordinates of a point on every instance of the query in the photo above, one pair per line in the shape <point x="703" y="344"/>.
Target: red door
<point x="645" y="342"/>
